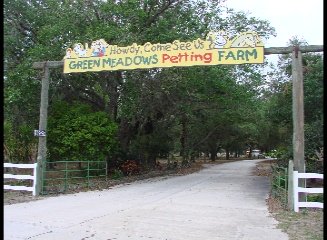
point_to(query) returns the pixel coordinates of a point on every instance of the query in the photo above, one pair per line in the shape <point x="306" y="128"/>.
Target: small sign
<point x="39" y="133"/>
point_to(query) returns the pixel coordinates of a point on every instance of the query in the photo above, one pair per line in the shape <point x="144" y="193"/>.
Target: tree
<point x="75" y="132"/>
<point x="144" y="104"/>
<point x="279" y="102"/>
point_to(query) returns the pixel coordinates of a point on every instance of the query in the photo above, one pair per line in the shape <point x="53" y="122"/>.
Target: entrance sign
<point x="216" y="49"/>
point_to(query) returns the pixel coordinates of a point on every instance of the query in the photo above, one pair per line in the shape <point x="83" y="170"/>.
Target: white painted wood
<point x="12" y="176"/>
<point x="310" y="190"/>
<point x="297" y="189"/>
<point x="311" y="204"/>
<point x="32" y="165"/>
<point x="296" y="194"/>
<point x="24" y="188"/>
<point x="310" y="175"/>
<point x="18" y="176"/>
<point x="290" y="197"/>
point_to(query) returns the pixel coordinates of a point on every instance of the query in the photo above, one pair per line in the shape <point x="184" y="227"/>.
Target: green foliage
<point x="215" y="105"/>
<point x="279" y="104"/>
<point x="315" y="198"/>
<point x="20" y="145"/>
<point x="75" y="132"/>
<point x="117" y="174"/>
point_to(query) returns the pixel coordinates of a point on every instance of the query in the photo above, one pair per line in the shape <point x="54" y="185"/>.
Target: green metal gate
<point x="279" y="184"/>
<point x="60" y="176"/>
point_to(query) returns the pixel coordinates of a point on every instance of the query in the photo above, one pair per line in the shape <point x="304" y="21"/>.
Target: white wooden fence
<point x="297" y="189"/>
<point x="12" y="176"/>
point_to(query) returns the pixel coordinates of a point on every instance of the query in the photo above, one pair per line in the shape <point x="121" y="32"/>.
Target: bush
<point x="315" y="198"/>
<point x="130" y="167"/>
<point x="75" y="132"/>
<point x="20" y="146"/>
<point x="117" y="174"/>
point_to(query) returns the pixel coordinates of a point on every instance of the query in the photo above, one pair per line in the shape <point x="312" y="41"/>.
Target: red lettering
<point x="174" y="59"/>
<point x="206" y="58"/>
<point x="165" y="57"/>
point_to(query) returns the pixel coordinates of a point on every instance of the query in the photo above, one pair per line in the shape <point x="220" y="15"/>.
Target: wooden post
<point x="298" y="115"/>
<point x="290" y="193"/>
<point x="42" y="147"/>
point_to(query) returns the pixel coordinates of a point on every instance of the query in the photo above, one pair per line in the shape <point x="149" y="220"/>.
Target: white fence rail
<point x="297" y="189"/>
<point x="12" y="176"/>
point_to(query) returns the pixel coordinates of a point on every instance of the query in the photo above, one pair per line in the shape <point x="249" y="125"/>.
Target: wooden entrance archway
<point x="298" y="108"/>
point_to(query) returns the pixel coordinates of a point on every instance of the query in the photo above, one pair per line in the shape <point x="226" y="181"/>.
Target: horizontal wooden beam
<point x="267" y="51"/>
<point x="49" y="64"/>
<point x="286" y="50"/>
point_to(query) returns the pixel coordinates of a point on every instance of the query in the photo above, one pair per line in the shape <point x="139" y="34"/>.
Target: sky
<point x="301" y="18"/>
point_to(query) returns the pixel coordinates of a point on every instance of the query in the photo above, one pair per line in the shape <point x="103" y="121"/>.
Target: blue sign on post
<point x="39" y="133"/>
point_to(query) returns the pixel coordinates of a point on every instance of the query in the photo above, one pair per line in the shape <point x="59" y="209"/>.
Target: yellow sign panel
<point x="216" y="49"/>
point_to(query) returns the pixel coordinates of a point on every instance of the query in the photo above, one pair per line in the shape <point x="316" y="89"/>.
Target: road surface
<point x="223" y="202"/>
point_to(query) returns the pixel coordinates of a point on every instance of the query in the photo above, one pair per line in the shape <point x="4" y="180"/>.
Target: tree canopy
<point x="143" y="114"/>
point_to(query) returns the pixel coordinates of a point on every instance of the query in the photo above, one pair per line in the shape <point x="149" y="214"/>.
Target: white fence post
<point x="297" y="189"/>
<point x="25" y="177"/>
<point x="290" y="185"/>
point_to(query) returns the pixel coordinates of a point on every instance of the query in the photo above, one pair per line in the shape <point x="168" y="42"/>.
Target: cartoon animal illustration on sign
<point x="98" y="48"/>
<point x="247" y="39"/>
<point x="68" y="53"/>
<point x="79" y="50"/>
<point x="217" y="39"/>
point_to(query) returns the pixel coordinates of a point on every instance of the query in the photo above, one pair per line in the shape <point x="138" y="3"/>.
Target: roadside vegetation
<point x="132" y="119"/>
<point x="308" y="224"/>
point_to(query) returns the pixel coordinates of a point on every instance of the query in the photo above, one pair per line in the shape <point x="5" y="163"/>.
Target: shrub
<point x="315" y="198"/>
<point x="117" y="174"/>
<point x="76" y="132"/>
<point x="130" y="167"/>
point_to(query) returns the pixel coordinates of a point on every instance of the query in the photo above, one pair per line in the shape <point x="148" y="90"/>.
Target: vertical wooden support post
<point x="42" y="147"/>
<point x="298" y="115"/>
<point x="290" y="193"/>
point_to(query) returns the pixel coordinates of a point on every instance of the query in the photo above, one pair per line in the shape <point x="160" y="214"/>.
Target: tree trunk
<point x="183" y="137"/>
<point x="227" y="153"/>
<point x="114" y="80"/>
<point x="213" y="154"/>
<point x="124" y="134"/>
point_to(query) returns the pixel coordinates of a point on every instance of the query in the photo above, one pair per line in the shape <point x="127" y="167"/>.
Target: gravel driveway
<point x="219" y="202"/>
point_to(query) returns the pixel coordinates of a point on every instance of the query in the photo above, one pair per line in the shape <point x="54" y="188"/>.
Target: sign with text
<point x="216" y="49"/>
<point x="39" y="133"/>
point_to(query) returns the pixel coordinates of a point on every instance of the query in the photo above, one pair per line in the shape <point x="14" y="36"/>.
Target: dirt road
<point x="220" y="202"/>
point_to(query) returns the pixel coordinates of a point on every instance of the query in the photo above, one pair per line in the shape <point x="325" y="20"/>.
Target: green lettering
<point x="128" y="61"/>
<point x="72" y="65"/>
<point x="106" y="62"/>
<point x="155" y="59"/>
<point x="97" y="62"/>
<point x="79" y="64"/>
<point x="240" y="54"/>
<point x="220" y="54"/>
<point x="120" y="61"/>
<point x="230" y="55"/>
<point x="253" y="53"/>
